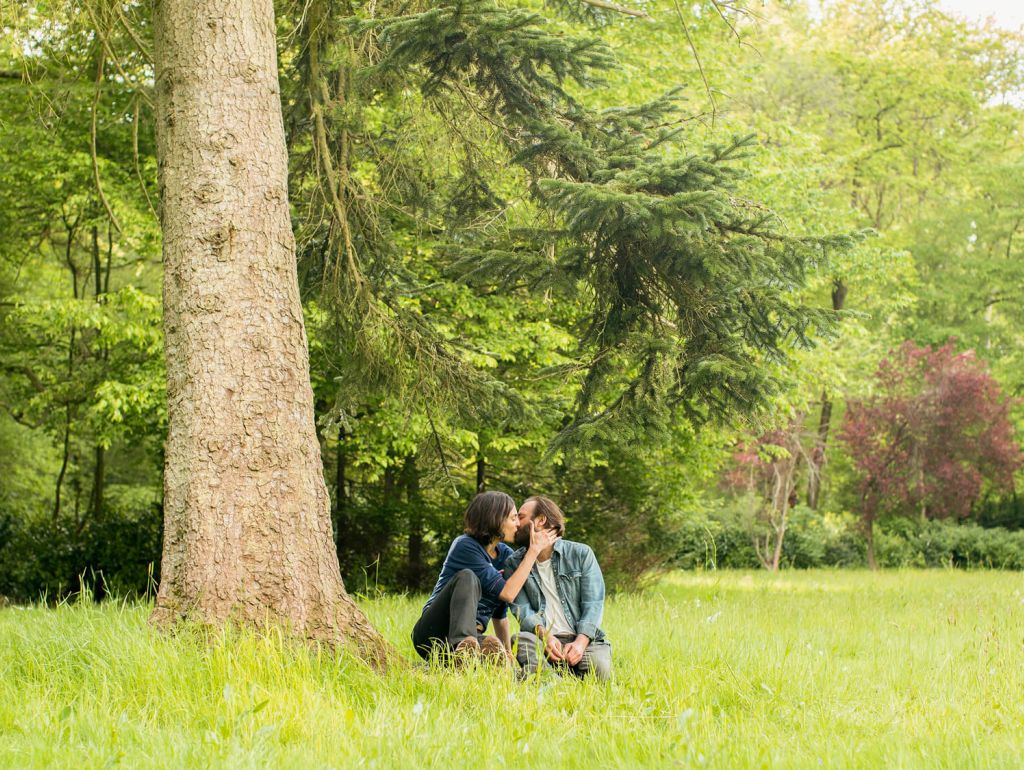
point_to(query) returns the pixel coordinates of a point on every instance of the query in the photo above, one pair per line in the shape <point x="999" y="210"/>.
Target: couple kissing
<point x="553" y="586"/>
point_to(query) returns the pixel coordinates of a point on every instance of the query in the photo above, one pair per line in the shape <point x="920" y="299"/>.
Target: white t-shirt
<point x="553" y="614"/>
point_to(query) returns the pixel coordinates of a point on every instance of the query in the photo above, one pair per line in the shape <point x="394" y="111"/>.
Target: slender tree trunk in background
<point x="481" y="473"/>
<point x="415" y="568"/>
<point x="100" y="288"/>
<point x="70" y="228"/>
<point x="817" y="460"/>
<point x="787" y="485"/>
<point x="377" y="538"/>
<point x="98" y="482"/>
<point x="869" y="537"/>
<point x="247" y="528"/>
<point x="64" y="462"/>
<point x="341" y="494"/>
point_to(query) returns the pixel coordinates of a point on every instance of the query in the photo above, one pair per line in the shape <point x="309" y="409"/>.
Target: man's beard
<point x="522" y="538"/>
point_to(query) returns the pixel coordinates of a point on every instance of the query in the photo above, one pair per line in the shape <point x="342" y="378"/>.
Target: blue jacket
<point x="467" y="553"/>
<point x="580" y="585"/>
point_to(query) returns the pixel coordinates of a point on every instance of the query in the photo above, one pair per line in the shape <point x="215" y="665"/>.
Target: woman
<point x="471" y="589"/>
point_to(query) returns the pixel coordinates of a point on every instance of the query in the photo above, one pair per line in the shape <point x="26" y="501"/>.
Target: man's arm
<point x="528" y="616"/>
<point x="515" y="579"/>
<point x="591" y="596"/>
<point x="591" y="608"/>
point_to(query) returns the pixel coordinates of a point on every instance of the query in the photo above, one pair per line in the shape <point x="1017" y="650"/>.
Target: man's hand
<point x="541" y="539"/>
<point x="552" y="647"/>
<point x="572" y="653"/>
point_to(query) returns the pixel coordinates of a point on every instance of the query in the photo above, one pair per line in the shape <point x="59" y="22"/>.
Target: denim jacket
<point x="580" y="584"/>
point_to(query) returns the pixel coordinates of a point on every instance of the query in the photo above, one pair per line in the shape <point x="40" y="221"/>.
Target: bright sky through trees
<point x="1006" y="13"/>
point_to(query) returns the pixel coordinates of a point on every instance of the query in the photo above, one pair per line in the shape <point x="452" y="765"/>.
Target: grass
<point x="722" y="670"/>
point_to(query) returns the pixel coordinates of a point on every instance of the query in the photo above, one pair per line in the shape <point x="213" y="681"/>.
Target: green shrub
<point x="117" y="553"/>
<point x="722" y="538"/>
<point x="717" y="539"/>
<point x="943" y="543"/>
<point x="815" y="539"/>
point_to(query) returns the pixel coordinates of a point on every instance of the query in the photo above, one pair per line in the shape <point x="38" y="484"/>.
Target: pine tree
<point x="686" y="288"/>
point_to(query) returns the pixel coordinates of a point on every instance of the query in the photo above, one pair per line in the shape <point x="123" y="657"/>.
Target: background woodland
<point x="736" y="287"/>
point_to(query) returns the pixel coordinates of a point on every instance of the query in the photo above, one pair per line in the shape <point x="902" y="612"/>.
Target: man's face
<point x="526" y="523"/>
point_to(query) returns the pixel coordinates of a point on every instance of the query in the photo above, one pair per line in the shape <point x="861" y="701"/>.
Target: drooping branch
<point x="607" y="6"/>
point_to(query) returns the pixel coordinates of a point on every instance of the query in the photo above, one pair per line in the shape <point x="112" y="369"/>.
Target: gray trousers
<point x="597" y="659"/>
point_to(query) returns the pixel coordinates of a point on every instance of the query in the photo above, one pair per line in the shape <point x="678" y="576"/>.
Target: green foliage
<point x="634" y="503"/>
<point x="42" y="558"/>
<point x="514" y="228"/>
<point x="944" y="544"/>
<point x="722" y="539"/>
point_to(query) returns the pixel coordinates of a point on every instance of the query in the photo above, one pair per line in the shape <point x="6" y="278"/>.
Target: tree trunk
<point x="481" y="473"/>
<point x="64" y="462"/>
<point x="869" y="537"/>
<point x="341" y="494"/>
<point x="247" y="529"/>
<point x="70" y="227"/>
<point x="415" y="569"/>
<point x="99" y="464"/>
<point x="817" y="460"/>
<point x="98" y="483"/>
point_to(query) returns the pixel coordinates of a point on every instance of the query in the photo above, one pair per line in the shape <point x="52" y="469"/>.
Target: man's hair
<point x="485" y="514"/>
<point x="546" y="507"/>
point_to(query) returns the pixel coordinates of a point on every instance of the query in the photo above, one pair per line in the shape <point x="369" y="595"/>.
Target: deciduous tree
<point x="936" y="431"/>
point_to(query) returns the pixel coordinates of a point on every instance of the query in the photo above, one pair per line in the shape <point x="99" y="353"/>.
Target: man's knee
<point x="597" y="663"/>
<point x="527" y="647"/>
<point x="525" y="641"/>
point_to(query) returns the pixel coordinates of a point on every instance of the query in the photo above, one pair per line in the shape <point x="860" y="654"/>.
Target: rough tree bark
<point x="247" y="530"/>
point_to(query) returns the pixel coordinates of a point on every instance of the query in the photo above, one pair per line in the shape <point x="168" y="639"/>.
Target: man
<point x="559" y="608"/>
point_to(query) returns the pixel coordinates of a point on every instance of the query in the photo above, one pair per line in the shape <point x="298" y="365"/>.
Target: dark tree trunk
<point x="64" y="460"/>
<point x="98" y="483"/>
<point x="378" y="536"/>
<point x="100" y="287"/>
<point x="71" y="228"/>
<point x="481" y="473"/>
<point x="415" y="568"/>
<point x="817" y="460"/>
<point x="341" y="494"/>
<point x="869" y="537"/>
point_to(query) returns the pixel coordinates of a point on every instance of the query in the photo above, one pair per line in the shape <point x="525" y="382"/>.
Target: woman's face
<point x="509" y="525"/>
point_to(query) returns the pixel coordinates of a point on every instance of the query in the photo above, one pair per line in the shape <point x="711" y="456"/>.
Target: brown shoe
<point x="466" y="650"/>
<point x="495" y="651"/>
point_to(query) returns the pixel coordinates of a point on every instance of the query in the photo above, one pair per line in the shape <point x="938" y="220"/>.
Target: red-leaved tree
<point x="934" y="434"/>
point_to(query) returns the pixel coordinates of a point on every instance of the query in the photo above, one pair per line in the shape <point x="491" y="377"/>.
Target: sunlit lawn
<point x="804" y="669"/>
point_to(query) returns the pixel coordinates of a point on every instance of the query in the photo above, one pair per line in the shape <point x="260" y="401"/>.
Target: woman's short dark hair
<point x="546" y="507"/>
<point x="485" y="514"/>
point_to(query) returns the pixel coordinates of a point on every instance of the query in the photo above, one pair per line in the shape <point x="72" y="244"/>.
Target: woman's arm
<point x="503" y="631"/>
<point x="539" y="540"/>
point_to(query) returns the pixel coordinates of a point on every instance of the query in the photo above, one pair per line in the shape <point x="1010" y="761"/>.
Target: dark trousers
<point x="450" y="618"/>
<point x="597" y="659"/>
